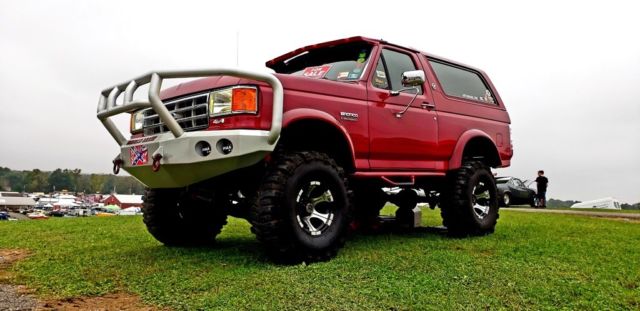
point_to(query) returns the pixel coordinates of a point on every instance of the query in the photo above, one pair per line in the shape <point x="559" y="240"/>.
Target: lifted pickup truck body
<point x="376" y="114"/>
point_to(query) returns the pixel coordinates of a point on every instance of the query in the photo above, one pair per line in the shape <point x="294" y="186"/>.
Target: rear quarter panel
<point x="457" y="116"/>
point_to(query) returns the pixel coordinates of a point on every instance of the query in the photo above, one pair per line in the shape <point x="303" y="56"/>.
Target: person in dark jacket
<point x="542" y="183"/>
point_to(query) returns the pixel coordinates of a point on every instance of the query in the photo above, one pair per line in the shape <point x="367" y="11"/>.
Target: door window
<point x="389" y="70"/>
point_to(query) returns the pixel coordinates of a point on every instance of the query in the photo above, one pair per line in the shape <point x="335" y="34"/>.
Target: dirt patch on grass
<point x="13" y="297"/>
<point x="7" y="258"/>
<point x="118" y="301"/>
<point x="18" y="297"/>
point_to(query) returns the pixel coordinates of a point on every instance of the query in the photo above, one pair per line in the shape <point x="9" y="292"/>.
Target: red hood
<point x="197" y="86"/>
<point x="289" y="82"/>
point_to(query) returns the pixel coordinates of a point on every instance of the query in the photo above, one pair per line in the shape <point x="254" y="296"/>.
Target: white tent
<point x="604" y="203"/>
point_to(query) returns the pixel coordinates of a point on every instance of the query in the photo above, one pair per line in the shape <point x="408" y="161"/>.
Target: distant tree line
<point x="66" y="179"/>
<point x="560" y="203"/>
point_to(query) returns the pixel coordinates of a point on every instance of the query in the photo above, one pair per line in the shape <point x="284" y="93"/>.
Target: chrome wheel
<point x="315" y="207"/>
<point x="481" y="200"/>
<point x="506" y="199"/>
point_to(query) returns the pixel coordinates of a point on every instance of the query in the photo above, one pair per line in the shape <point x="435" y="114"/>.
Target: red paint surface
<point x="424" y="142"/>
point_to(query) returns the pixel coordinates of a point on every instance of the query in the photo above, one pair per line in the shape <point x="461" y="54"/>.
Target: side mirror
<point x="413" y="78"/>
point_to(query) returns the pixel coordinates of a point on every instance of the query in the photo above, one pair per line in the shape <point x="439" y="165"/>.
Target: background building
<point x="14" y="201"/>
<point x="124" y="200"/>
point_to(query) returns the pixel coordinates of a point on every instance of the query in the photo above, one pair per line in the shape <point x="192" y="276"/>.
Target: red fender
<point x="298" y="114"/>
<point x="456" y="159"/>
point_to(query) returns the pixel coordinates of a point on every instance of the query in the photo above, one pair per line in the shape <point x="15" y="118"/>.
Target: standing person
<point x="542" y="182"/>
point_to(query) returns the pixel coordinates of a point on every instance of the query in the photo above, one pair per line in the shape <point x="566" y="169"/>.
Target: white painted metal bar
<point x="107" y="106"/>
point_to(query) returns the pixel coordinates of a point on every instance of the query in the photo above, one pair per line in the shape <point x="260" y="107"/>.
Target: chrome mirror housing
<point x="413" y="78"/>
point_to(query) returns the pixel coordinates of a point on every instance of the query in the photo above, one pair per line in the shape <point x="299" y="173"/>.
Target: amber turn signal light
<point x="244" y="100"/>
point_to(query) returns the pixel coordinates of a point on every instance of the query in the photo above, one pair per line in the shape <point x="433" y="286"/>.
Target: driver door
<point x="407" y="142"/>
<point x="523" y="192"/>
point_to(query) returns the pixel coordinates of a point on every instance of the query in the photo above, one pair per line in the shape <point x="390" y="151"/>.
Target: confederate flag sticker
<point x="139" y="155"/>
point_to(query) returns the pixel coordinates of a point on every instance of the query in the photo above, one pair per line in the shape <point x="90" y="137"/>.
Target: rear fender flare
<point x="455" y="161"/>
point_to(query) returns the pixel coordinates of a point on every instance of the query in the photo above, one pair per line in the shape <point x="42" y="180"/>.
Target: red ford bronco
<point x="304" y="153"/>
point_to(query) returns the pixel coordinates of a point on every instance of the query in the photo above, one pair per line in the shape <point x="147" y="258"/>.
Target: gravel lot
<point x="12" y="299"/>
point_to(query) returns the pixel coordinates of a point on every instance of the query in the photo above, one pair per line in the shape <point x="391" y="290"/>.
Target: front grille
<point x="191" y="112"/>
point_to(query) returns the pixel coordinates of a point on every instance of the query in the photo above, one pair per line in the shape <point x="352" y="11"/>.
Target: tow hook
<point x="156" y="162"/>
<point x="117" y="162"/>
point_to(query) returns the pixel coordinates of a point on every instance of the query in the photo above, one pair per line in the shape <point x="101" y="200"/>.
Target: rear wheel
<point x="183" y="217"/>
<point x="470" y="202"/>
<point x="303" y="208"/>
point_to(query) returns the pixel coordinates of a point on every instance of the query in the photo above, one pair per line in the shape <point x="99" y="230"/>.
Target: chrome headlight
<point x="137" y="121"/>
<point x="237" y="99"/>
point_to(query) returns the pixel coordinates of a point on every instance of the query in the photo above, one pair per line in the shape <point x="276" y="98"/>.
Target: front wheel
<point x="506" y="199"/>
<point x="303" y="208"/>
<point x="470" y="201"/>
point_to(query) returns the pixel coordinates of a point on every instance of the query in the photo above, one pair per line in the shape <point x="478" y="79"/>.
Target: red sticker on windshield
<point x="316" y="72"/>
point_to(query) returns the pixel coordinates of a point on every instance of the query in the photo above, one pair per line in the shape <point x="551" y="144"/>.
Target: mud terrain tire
<point x="303" y="209"/>
<point x="180" y="217"/>
<point x="470" y="201"/>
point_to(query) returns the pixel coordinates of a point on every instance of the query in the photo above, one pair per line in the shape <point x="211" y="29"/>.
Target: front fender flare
<point x="300" y="114"/>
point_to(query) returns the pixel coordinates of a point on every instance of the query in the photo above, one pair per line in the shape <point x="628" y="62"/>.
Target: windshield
<point x="343" y="62"/>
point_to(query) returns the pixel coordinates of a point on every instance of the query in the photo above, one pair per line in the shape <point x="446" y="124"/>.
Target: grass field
<point x="533" y="261"/>
<point x="623" y="211"/>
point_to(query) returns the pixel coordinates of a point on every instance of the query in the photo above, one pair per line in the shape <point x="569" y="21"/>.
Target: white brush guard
<point x="174" y="158"/>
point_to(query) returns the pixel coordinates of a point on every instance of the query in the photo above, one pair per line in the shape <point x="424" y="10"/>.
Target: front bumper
<point x="180" y="160"/>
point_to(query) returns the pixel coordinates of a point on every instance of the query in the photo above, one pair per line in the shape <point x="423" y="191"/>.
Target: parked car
<point x="38" y="214"/>
<point x="513" y="191"/>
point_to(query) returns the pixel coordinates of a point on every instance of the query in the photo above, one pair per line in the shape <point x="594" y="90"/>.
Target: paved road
<point x="583" y="213"/>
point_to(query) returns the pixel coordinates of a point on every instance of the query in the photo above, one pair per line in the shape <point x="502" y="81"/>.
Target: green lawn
<point x="624" y="211"/>
<point x="533" y="261"/>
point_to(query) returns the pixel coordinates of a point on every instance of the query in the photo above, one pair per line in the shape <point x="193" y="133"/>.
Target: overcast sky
<point x="568" y="73"/>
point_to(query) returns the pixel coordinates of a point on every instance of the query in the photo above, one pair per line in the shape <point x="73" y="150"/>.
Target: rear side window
<point x="462" y="83"/>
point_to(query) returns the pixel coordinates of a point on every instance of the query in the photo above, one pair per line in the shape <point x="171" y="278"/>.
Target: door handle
<point x="428" y="106"/>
